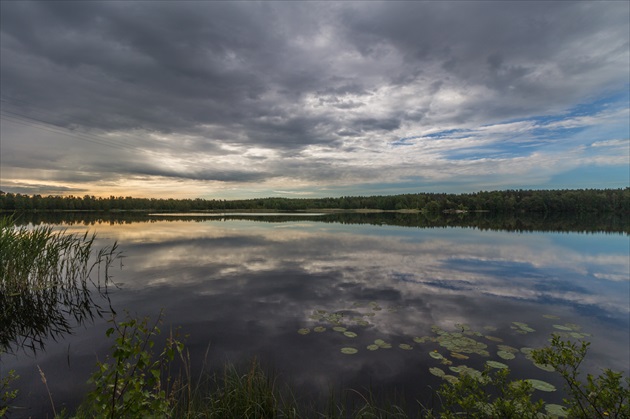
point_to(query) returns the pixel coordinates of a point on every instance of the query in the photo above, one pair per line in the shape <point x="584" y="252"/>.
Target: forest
<point x="575" y="201"/>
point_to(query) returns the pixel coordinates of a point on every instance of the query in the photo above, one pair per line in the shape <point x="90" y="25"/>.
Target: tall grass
<point x="47" y="280"/>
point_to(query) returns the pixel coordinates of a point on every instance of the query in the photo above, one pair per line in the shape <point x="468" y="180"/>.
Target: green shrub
<point x="133" y="381"/>
<point x="604" y="396"/>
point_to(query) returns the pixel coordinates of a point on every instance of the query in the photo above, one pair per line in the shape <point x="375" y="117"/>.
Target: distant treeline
<point x="577" y="201"/>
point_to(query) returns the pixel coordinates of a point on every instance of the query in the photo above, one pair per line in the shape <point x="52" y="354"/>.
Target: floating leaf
<point x="507" y="348"/>
<point x="457" y="355"/>
<point x="438" y="330"/>
<point x="545" y="367"/>
<point x="556" y="410"/>
<point x="505" y="355"/>
<point x="451" y="379"/>
<point x="496" y="364"/>
<point x="423" y="339"/>
<point x="494" y="338"/>
<point x="476" y="374"/>
<point x="350" y="334"/>
<point x="438" y="372"/>
<point x="526" y="350"/>
<point x="304" y="331"/>
<point x="490" y="328"/>
<point x="456" y="342"/>
<point x="541" y="385"/>
<point x="339" y="329"/>
<point x="372" y="347"/>
<point x="562" y="327"/>
<point x="382" y="344"/>
<point x="349" y="351"/>
<point x="551" y="316"/>
<point x="436" y="355"/>
<point x="319" y="329"/>
<point x="405" y="346"/>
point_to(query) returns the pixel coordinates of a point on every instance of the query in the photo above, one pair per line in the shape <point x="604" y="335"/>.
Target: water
<point x="242" y="288"/>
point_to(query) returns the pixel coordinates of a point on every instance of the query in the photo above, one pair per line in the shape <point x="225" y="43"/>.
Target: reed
<point x="47" y="282"/>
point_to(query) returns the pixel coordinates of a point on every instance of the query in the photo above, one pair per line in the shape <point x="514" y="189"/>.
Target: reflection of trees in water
<point x="48" y="283"/>
<point x="609" y="223"/>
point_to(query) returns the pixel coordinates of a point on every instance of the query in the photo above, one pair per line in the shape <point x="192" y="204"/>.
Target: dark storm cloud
<point x="288" y="75"/>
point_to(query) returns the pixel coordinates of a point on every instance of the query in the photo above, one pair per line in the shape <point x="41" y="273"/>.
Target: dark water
<point x="243" y="288"/>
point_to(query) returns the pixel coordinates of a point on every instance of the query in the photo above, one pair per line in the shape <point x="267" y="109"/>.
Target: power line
<point x="28" y="121"/>
<point x="40" y="123"/>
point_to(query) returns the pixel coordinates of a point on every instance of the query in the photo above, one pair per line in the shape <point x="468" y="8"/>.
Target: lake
<point x="245" y="286"/>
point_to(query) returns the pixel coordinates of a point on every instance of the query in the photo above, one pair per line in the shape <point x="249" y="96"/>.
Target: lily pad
<point x="496" y="364"/>
<point x="505" y="355"/>
<point x="339" y="329"/>
<point x="451" y="379"/>
<point x="304" y="331"/>
<point x="490" y="328"/>
<point x="379" y="342"/>
<point x="556" y="410"/>
<point x="422" y="339"/>
<point x="456" y="342"/>
<point x="522" y="328"/>
<point x="545" y="367"/>
<point x="405" y="346"/>
<point x="541" y="385"/>
<point x="436" y="355"/>
<point x="319" y="329"/>
<point x="457" y="355"/>
<point x="507" y="348"/>
<point x="562" y="327"/>
<point x="463" y="326"/>
<point x="551" y="316"/>
<point x="494" y="338"/>
<point x="372" y="347"/>
<point x="349" y="351"/>
<point x="438" y="372"/>
<point x="350" y="334"/>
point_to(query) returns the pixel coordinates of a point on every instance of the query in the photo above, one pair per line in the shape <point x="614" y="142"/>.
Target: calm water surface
<point x="241" y="289"/>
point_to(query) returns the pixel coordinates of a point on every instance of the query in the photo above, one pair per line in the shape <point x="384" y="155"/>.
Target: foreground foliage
<point x="604" y="396"/>
<point x="130" y="383"/>
<point x="135" y="381"/>
<point x="46" y="279"/>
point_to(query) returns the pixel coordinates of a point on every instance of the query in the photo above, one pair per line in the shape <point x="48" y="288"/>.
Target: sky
<point x="233" y="100"/>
